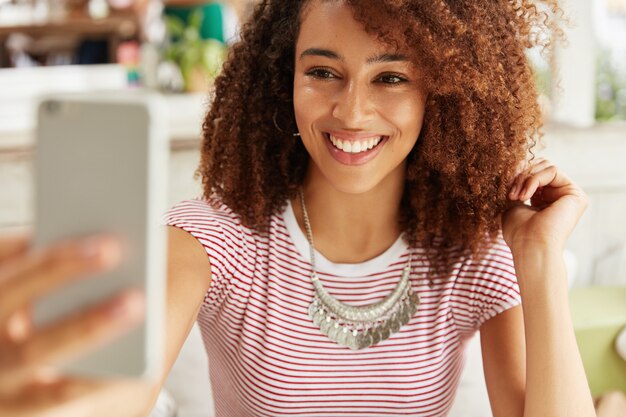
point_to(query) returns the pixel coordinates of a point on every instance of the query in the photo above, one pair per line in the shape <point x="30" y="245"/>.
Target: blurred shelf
<point x="75" y="23"/>
<point x="114" y="28"/>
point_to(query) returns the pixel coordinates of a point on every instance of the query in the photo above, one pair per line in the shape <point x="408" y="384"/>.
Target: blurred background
<point x="177" y="47"/>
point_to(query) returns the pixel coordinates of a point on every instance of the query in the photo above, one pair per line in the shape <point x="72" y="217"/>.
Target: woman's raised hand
<point x="556" y="206"/>
<point x="30" y="381"/>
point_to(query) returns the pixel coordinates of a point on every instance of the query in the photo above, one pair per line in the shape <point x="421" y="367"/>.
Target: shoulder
<point x="486" y="283"/>
<point x="217" y="228"/>
<point x="200" y="211"/>
<point x="207" y="219"/>
<point x="494" y="261"/>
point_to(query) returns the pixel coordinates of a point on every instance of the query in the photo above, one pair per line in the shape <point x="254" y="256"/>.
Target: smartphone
<point x="101" y="166"/>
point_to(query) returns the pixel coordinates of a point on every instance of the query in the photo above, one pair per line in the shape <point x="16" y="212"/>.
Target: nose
<point x="353" y="105"/>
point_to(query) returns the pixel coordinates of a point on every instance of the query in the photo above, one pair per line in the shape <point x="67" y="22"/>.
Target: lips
<point x="351" y="149"/>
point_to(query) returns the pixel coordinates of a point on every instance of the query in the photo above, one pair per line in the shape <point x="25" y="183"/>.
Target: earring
<point x="296" y="134"/>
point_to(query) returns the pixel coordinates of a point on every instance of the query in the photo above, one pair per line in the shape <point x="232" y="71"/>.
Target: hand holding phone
<point x="30" y="382"/>
<point x="101" y="167"/>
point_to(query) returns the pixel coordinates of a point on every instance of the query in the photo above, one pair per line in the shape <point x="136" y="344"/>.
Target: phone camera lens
<point x="53" y="106"/>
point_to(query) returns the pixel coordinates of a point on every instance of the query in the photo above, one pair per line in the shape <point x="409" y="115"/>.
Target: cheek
<point x="300" y="104"/>
<point x="309" y="105"/>
<point x="406" y="115"/>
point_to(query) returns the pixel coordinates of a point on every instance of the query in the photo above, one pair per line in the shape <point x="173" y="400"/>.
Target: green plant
<point x="199" y="59"/>
<point x="540" y="65"/>
<point x="610" y="89"/>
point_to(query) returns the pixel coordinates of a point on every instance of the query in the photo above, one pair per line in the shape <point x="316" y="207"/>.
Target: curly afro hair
<point x="481" y="119"/>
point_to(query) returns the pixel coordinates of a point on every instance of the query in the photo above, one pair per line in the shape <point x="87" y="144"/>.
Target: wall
<point x="594" y="157"/>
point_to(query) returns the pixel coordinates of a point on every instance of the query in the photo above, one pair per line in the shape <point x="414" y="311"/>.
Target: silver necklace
<point x="359" y="327"/>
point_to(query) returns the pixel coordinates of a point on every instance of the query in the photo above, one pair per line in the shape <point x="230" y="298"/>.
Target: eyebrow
<point x="327" y="53"/>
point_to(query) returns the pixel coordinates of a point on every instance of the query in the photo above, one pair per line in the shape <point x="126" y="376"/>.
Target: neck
<point x="348" y="227"/>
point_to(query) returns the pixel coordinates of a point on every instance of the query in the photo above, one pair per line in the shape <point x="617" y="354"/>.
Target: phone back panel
<point x="101" y="166"/>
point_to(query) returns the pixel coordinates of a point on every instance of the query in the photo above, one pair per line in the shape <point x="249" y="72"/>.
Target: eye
<point x="321" y="73"/>
<point x="391" y="79"/>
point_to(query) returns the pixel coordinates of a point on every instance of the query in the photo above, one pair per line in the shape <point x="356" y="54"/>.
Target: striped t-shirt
<point x="266" y="356"/>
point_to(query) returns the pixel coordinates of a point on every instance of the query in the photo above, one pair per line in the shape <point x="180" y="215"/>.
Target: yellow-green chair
<point x="599" y="315"/>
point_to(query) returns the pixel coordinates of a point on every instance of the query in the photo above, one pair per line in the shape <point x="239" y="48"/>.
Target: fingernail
<point x="130" y="304"/>
<point x="105" y="250"/>
<point x="17" y="327"/>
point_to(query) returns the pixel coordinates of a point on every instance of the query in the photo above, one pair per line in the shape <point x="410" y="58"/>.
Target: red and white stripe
<point x="268" y="359"/>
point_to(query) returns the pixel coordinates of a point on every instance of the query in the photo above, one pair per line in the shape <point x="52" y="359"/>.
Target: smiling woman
<point x="351" y="91"/>
<point x="453" y="75"/>
<point x="365" y="166"/>
<point x="393" y="132"/>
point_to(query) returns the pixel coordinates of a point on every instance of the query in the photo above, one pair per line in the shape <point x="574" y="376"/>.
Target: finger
<point x="530" y="169"/>
<point x="539" y="165"/>
<point x="71" y="338"/>
<point x="516" y="214"/>
<point x="29" y="277"/>
<point x="551" y="194"/>
<point x="18" y="327"/>
<point x="517" y="185"/>
<point x="80" y="397"/>
<point x="14" y="244"/>
<point x="522" y="173"/>
<point x="550" y="177"/>
<point x="47" y="400"/>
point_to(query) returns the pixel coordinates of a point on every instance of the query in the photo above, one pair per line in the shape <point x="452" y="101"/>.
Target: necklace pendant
<point x="342" y="336"/>
<point x="325" y="325"/>
<point x="394" y="325"/>
<point x="352" y="342"/>
<point x="363" y="326"/>
<point x="403" y="315"/>
<point x="385" y="333"/>
<point x="358" y="336"/>
<point x="375" y="335"/>
<point x="364" y="340"/>
<point x="333" y="332"/>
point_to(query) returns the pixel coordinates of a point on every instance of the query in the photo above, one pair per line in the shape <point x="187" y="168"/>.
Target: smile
<point x="356" y="146"/>
<point x="354" y="150"/>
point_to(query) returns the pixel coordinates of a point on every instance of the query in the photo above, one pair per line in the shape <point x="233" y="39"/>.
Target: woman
<point x="356" y="152"/>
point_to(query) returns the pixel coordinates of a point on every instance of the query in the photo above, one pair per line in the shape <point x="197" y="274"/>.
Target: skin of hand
<point x="556" y="383"/>
<point x="556" y="205"/>
<point x="30" y="381"/>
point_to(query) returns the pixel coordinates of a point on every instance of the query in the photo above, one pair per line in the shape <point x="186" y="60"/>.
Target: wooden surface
<point x="77" y="23"/>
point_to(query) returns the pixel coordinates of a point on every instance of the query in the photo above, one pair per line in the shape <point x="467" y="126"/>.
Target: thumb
<point x="513" y="217"/>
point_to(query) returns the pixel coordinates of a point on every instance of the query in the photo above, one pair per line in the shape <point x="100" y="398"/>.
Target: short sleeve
<point x="220" y="232"/>
<point x="486" y="285"/>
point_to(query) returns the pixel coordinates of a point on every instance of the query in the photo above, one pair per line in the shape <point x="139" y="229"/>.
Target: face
<point x="359" y="103"/>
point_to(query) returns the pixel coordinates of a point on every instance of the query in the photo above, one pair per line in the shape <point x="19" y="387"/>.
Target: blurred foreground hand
<point x="30" y="381"/>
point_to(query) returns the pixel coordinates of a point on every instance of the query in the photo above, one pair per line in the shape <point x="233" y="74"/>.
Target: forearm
<point x="556" y="384"/>
<point x="150" y="400"/>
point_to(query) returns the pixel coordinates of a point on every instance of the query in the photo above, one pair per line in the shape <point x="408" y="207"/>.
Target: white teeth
<point x="356" y="146"/>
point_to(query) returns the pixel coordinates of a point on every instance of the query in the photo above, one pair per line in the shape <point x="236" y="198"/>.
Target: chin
<point x="353" y="184"/>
